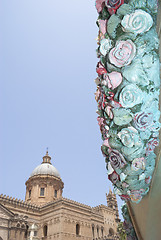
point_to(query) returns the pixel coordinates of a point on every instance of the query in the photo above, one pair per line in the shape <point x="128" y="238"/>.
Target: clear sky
<point x="47" y="72"/>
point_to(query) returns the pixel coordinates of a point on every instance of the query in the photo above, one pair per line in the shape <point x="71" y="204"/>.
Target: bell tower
<point x="112" y="203"/>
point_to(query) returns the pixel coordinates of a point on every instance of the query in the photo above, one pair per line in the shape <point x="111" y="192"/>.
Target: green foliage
<point x="121" y="231"/>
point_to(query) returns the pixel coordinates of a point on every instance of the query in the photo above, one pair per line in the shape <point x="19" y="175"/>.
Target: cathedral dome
<point x="45" y="168"/>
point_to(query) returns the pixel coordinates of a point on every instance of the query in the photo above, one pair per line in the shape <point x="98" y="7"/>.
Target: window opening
<point x="77" y="229"/>
<point x="42" y="190"/>
<point x="102" y="231"/>
<point x="93" y="231"/>
<point x="111" y="232"/>
<point x="56" y="193"/>
<point x="26" y="231"/>
<point x="98" y="231"/>
<point x="45" y="230"/>
<point x="29" y="193"/>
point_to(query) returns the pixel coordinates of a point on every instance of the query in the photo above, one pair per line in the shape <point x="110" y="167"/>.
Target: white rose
<point x="105" y="45"/>
<point x="137" y="22"/>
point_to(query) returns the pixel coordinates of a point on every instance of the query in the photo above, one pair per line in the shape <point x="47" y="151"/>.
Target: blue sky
<point x="47" y="72"/>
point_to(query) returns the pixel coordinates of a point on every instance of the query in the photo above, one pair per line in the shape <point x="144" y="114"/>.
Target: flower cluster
<point x="128" y="94"/>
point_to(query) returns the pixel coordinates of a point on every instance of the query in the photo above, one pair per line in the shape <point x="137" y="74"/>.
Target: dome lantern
<point x="46" y="158"/>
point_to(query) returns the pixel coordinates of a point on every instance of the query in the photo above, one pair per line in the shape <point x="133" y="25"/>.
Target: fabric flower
<point x="116" y="159"/>
<point x="129" y="137"/>
<point x="125" y="197"/>
<point x="113" y="5"/>
<point x="153" y="142"/>
<point x="137" y="22"/>
<point x="143" y="120"/>
<point x="130" y="96"/>
<point x="123" y="53"/>
<point x="100" y="4"/>
<point x="112" y="80"/>
<point x="135" y="196"/>
<point x="113" y="177"/>
<point x="100" y="69"/>
<point x="105" y="46"/>
<point x="137" y="164"/>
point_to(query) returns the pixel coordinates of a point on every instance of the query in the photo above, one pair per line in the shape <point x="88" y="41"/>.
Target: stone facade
<point x="45" y="214"/>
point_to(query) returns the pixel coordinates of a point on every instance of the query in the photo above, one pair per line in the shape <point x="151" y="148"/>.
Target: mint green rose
<point x="130" y="96"/>
<point x="132" y="143"/>
<point x="129" y="136"/>
<point x="137" y="22"/>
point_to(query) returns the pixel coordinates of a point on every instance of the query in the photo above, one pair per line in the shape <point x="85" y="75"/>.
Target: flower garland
<point x="127" y="93"/>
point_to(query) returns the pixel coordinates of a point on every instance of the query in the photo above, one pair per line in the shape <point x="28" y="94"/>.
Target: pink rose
<point x="123" y="53"/>
<point x="113" y="5"/>
<point x="112" y="80"/>
<point x="100" y="4"/>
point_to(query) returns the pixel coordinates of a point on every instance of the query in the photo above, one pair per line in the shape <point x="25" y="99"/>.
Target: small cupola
<point x="46" y="158"/>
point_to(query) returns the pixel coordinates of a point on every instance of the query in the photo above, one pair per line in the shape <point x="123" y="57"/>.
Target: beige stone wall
<point x="61" y="218"/>
<point x="49" y="183"/>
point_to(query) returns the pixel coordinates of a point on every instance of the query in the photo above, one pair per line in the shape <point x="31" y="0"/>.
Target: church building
<point x="45" y="214"/>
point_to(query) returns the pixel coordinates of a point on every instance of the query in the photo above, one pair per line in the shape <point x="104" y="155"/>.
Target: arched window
<point x="55" y="193"/>
<point x="30" y="193"/>
<point x="26" y="231"/>
<point x="45" y="230"/>
<point x="102" y="231"/>
<point x="111" y="232"/>
<point x="42" y="190"/>
<point x="77" y="229"/>
<point x="97" y="231"/>
<point x="93" y="231"/>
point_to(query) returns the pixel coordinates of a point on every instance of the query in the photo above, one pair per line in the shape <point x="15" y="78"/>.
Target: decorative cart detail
<point x="127" y="93"/>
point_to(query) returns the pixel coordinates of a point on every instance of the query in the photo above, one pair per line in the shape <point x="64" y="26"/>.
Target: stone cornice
<point x="24" y="204"/>
<point x="18" y="202"/>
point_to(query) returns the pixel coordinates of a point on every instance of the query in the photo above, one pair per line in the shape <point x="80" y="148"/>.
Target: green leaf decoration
<point x="124" y="9"/>
<point x="122" y="116"/>
<point x="115" y="143"/>
<point x="112" y="24"/>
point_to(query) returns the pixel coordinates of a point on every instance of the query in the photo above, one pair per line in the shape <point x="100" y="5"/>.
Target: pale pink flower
<point x="123" y="53"/>
<point x="113" y="79"/>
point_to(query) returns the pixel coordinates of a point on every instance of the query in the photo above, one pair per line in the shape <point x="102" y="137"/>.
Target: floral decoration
<point x="137" y="22"/>
<point x="128" y="93"/>
<point x="113" y="5"/>
<point x="123" y="53"/>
